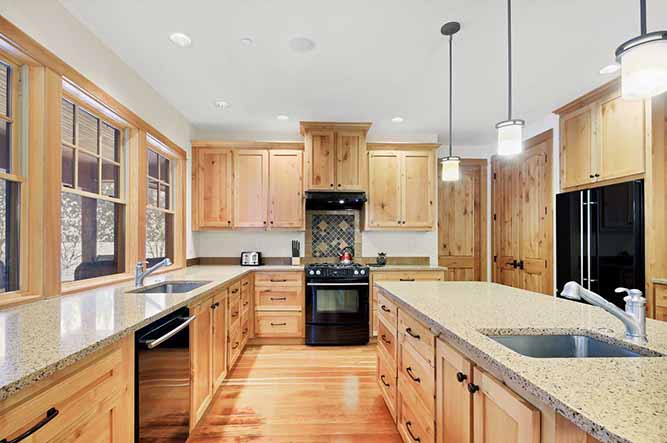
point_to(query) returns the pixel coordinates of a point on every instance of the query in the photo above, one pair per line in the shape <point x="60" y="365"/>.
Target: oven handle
<point x="337" y="284"/>
<point x="158" y="341"/>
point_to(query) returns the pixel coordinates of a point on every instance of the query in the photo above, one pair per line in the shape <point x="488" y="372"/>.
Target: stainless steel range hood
<point x="327" y="201"/>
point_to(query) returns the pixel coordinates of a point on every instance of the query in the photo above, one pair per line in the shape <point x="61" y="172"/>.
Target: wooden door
<point x="213" y="188"/>
<point x="251" y="187"/>
<point x="577" y="141"/>
<point x="417" y="189"/>
<point x="200" y="360"/>
<point x="286" y="204"/>
<point x="505" y="222"/>
<point x="501" y="416"/>
<point x="621" y="137"/>
<point x="320" y="160"/>
<point x="462" y="223"/>
<point x="384" y="189"/>
<point x="350" y="160"/>
<point x="219" y="341"/>
<point x="454" y="413"/>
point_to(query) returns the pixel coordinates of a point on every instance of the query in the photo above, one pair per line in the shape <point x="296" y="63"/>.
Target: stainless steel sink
<point x="170" y="287"/>
<point x="566" y="346"/>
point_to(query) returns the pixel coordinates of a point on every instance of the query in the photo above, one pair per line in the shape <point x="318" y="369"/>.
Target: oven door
<point x="337" y="303"/>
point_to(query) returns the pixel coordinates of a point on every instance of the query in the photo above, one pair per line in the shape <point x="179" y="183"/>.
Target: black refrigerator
<point x="600" y="239"/>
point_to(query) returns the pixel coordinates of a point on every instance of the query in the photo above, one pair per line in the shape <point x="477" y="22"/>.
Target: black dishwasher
<point x="162" y="379"/>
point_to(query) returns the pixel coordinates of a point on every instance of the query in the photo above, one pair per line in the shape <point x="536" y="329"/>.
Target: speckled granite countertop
<point x="407" y="268"/>
<point x="617" y="400"/>
<point x="37" y="339"/>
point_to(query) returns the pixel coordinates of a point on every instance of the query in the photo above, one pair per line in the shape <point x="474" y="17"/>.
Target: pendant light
<point x="450" y="164"/>
<point x="643" y="62"/>
<point x="510" y="131"/>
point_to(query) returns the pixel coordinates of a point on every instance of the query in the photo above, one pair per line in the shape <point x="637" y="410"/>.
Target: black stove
<point x="337" y="271"/>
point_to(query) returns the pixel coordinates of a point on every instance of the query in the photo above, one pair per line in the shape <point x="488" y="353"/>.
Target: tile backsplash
<point x="327" y="232"/>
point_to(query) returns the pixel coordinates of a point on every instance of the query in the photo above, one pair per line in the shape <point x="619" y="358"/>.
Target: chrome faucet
<point x="634" y="316"/>
<point x="140" y="274"/>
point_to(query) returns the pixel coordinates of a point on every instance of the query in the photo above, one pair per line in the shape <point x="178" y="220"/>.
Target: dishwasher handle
<point x="151" y="344"/>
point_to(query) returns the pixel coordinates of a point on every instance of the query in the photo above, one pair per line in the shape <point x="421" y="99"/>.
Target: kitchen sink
<point x="566" y="346"/>
<point x="170" y="287"/>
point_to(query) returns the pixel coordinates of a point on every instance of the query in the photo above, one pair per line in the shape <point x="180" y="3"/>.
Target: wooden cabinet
<point x="454" y="413"/>
<point x="401" y="190"/>
<point x="201" y="340"/>
<point x="660" y="292"/>
<point x="286" y="203"/>
<point x="219" y="340"/>
<point x="92" y="400"/>
<point x="279" y="305"/>
<point x="251" y="188"/>
<point x="603" y="137"/>
<point x="212" y="190"/>
<point x="335" y="156"/>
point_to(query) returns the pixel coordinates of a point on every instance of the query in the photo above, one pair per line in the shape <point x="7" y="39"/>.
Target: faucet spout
<point x="140" y="274"/>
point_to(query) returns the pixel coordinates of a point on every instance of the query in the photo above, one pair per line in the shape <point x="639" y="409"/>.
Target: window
<point x="92" y="197"/>
<point x="159" y="205"/>
<point x="10" y="179"/>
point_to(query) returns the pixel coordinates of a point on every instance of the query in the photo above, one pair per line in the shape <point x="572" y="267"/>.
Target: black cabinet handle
<point x="245" y="303"/>
<point x="384" y="339"/>
<point x="235" y="314"/>
<point x="245" y="283"/>
<point x="278" y="280"/>
<point x="411" y="334"/>
<point x="408" y="426"/>
<point x="384" y="382"/>
<point x="245" y="331"/>
<point x="406" y="279"/>
<point x="234" y="291"/>
<point x="236" y="345"/>
<point x="50" y="415"/>
<point x="278" y="324"/>
<point x="472" y="388"/>
<point x="460" y="376"/>
<point x="597" y="175"/>
<point x="409" y="371"/>
<point x="385" y="309"/>
<point x="591" y="176"/>
<point x="278" y="298"/>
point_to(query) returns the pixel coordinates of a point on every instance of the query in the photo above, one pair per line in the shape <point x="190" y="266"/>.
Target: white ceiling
<point x="374" y="59"/>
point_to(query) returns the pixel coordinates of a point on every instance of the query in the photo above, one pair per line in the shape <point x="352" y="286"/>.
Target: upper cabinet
<point x="286" y="189"/>
<point x="212" y="188"/>
<point x="335" y="156"/>
<point x="603" y="138"/>
<point x="251" y="188"/>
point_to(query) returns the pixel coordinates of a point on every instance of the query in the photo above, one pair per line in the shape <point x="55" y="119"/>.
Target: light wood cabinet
<point x="201" y="340"/>
<point x="454" y="413"/>
<point x="212" y="190"/>
<point x="401" y="190"/>
<point x="251" y="188"/>
<point x="603" y="138"/>
<point x="219" y="340"/>
<point x="279" y="305"/>
<point x="660" y="293"/>
<point x="350" y="160"/>
<point x="286" y="203"/>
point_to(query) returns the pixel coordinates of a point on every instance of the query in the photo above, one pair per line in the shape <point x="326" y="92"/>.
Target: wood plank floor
<point x="299" y="394"/>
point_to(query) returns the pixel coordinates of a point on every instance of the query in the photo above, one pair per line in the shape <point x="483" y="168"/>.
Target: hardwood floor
<point x="299" y="394"/>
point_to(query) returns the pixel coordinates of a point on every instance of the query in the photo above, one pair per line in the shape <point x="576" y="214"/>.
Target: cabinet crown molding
<point x="590" y="97"/>
<point x="308" y="126"/>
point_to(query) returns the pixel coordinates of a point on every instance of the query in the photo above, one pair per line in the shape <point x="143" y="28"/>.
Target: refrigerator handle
<point x="588" y="237"/>
<point x="581" y="238"/>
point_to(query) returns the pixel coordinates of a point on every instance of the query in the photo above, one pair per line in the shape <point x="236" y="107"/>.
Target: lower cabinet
<point x="453" y="400"/>
<point x="660" y="291"/>
<point x="219" y="343"/>
<point x="279" y="305"/>
<point x="201" y="345"/>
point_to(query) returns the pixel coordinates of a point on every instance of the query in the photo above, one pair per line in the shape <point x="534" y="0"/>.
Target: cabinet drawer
<point x="235" y="346"/>
<point x="245" y="332"/>
<point x="412" y="331"/>
<point x="273" y="279"/>
<point x="661" y="296"/>
<point x="279" y="299"/>
<point x="417" y="374"/>
<point x="279" y="324"/>
<point x="234" y="311"/>
<point x="409" y="276"/>
<point x="387" y="340"/>
<point x="386" y="378"/>
<point x="415" y="424"/>
<point x="387" y="310"/>
<point x="235" y="289"/>
<point x="661" y="313"/>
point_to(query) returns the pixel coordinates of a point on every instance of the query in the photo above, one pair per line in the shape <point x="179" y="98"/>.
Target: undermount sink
<point x="566" y="346"/>
<point x="171" y="287"/>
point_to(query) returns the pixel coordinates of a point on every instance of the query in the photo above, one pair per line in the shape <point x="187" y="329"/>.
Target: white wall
<point x="50" y="24"/>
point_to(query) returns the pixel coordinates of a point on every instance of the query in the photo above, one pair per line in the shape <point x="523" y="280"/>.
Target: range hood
<point x="327" y="201"/>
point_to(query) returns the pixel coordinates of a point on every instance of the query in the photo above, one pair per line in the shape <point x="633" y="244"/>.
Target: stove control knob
<point x="357" y="272"/>
<point x="318" y="272"/>
<point x="311" y="272"/>
<point x="362" y="272"/>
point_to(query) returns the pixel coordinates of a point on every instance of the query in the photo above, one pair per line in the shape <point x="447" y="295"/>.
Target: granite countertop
<point x="37" y="339"/>
<point x="617" y="400"/>
<point x="407" y="268"/>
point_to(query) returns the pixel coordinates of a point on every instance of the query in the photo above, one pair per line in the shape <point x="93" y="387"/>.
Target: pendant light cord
<point x="642" y="15"/>
<point x="509" y="59"/>
<point x="450" y="95"/>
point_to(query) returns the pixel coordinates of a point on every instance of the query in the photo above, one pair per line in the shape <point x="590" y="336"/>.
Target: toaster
<point x="251" y="258"/>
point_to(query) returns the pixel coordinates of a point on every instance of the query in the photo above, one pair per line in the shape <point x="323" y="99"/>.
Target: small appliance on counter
<point x="251" y="258"/>
<point x="346" y="256"/>
<point x="381" y="259"/>
<point x="296" y="252"/>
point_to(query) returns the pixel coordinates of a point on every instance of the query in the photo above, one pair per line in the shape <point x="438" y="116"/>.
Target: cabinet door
<point x="351" y="168"/>
<point x="320" y="160"/>
<point x="213" y="188"/>
<point x="453" y="400"/>
<point x="219" y="342"/>
<point x="286" y="189"/>
<point x="251" y="186"/>
<point x="417" y="190"/>
<point x="200" y="360"/>
<point x="577" y="138"/>
<point x="384" y="190"/>
<point x="621" y="137"/>
<point x="501" y="416"/>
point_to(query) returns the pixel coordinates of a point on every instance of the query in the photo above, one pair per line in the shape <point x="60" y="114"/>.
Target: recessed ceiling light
<point x="398" y="119"/>
<point x="282" y="117"/>
<point x="222" y="104"/>
<point x="301" y="44"/>
<point x="247" y="41"/>
<point x="610" y="69"/>
<point x="180" y="39"/>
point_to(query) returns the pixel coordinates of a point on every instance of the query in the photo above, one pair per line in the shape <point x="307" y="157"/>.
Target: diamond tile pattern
<point x="331" y="233"/>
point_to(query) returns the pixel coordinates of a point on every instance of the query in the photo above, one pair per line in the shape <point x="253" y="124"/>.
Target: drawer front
<point x="386" y="378"/>
<point x="387" y="310"/>
<point x="409" y="276"/>
<point x="415" y="424"/>
<point x="273" y="279"/>
<point x="235" y="289"/>
<point x="661" y="296"/>
<point x="387" y="340"/>
<point x="417" y="374"/>
<point x="234" y="311"/>
<point x="245" y="332"/>
<point x="279" y="324"/>
<point x="415" y="333"/>
<point x="235" y="346"/>
<point x="279" y="299"/>
<point x="661" y="313"/>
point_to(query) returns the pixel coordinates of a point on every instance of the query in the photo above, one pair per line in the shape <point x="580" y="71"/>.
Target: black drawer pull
<point x="278" y="298"/>
<point x="384" y="339"/>
<point x="411" y="334"/>
<point x="409" y="371"/>
<point x="50" y="415"/>
<point x="460" y="377"/>
<point x="472" y="388"/>
<point x="234" y="291"/>
<point x="408" y="426"/>
<point x="245" y="331"/>
<point x="245" y="283"/>
<point x="385" y="309"/>
<point x="235" y="314"/>
<point x="277" y="280"/>
<point x="278" y="324"/>
<point x="406" y="279"/>
<point x="236" y="345"/>
<point x="245" y="303"/>
<point x="384" y="382"/>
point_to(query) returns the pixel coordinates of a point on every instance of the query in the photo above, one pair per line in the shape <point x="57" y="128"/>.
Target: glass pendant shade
<point x="644" y="70"/>
<point x="450" y="168"/>
<point x="510" y="137"/>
